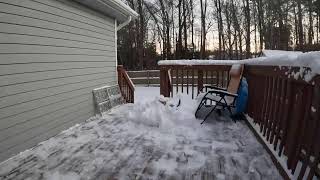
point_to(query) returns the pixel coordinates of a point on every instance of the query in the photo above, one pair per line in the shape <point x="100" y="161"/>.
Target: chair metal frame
<point x="221" y="93"/>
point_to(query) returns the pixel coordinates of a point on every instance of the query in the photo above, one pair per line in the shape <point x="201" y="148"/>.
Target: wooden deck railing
<point x="190" y="79"/>
<point x="125" y="84"/>
<point x="287" y="112"/>
<point x="145" y="77"/>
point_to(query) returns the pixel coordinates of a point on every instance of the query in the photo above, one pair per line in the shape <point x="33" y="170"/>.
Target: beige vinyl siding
<point x="52" y="54"/>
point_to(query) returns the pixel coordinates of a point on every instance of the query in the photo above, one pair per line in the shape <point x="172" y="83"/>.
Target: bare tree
<point x="300" y="26"/>
<point x="203" y="7"/>
<point x="248" y="32"/>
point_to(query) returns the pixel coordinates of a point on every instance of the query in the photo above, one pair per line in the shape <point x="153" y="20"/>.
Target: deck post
<point x="200" y="80"/>
<point x="164" y="82"/>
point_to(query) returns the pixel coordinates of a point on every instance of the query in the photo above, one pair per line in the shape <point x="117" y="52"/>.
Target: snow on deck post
<point x="164" y="82"/>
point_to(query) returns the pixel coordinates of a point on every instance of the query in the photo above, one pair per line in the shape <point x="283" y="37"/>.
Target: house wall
<point x="52" y="54"/>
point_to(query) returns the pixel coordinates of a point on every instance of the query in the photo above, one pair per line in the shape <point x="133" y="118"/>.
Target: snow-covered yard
<point x="147" y="140"/>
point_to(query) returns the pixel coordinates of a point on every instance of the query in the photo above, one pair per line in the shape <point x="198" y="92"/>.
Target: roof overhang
<point x="112" y="8"/>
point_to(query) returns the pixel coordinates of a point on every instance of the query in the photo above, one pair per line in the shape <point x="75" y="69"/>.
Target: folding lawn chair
<point x="221" y="98"/>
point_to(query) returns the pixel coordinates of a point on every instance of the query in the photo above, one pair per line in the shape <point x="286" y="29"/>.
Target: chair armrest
<point x="224" y="93"/>
<point x="212" y="87"/>
<point x="215" y="87"/>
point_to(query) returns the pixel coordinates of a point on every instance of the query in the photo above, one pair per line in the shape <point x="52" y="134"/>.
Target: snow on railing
<point x="309" y="60"/>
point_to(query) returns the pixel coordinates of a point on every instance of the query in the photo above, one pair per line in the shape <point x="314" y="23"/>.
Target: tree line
<point x="179" y="29"/>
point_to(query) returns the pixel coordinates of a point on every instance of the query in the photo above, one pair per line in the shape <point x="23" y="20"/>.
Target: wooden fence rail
<point x="145" y="77"/>
<point x="287" y="110"/>
<point x="125" y="84"/>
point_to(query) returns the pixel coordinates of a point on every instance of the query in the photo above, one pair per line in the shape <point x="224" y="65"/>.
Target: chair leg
<point x="231" y="115"/>
<point x="219" y="112"/>
<point x="208" y="114"/>
<point x="199" y="107"/>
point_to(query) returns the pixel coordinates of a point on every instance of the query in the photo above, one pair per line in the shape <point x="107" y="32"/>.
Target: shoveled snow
<point x="270" y="53"/>
<point x="147" y="140"/>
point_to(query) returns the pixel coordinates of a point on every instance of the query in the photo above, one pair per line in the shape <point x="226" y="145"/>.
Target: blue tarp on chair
<point x="242" y="99"/>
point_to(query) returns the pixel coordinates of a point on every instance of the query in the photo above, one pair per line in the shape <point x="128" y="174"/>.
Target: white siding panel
<point x="38" y="76"/>
<point x="43" y="49"/>
<point x="37" y="13"/>
<point x="76" y="11"/>
<point x="40" y="58"/>
<point x="16" y="89"/>
<point x="65" y="9"/>
<point x="31" y="106"/>
<point x="31" y="22"/>
<point x="37" y="134"/>
<point x="37" y="67"/>
<point x="36" y="40"/>
<point x="52" y="54"/>
<point x="18" y="105"/>
<point x="50" y="33"/>
<point x="40" y="113"/>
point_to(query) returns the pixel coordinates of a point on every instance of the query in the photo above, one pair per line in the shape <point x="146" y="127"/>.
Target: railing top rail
<point x="307" y="61"/>
<point x="198" y="67"/>
<point x="193" y="62"/>
<point x="300" y="74"/>
<point x="290" y="72"/>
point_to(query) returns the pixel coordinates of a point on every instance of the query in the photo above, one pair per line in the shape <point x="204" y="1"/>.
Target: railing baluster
<point x="287" y="110"/>
<point x="228" y="78"/>
<point x="171" y="89"/>
<point x="253" y="94"/>
<point x="177" y="81"/>
<point x="211" y="73"/>
<point x="200" y="80"/>
<point x="187" y="81"/>
<point x="295" y="128"/>
<point x="218" y="79"/>
<point x="280" y="114"/>
<point x="272" y="107"/>
<point x="192" y="83"/>
<point x="276" y="110"/>
<point x="206" y="77"/>
<point x="222" y="82"/>
<point x="182" y="77"/>
<point x="266" y="121"/>
<point x="306" y="99"/>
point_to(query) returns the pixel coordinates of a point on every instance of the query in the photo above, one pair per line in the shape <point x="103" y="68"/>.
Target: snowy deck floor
<point x="146" y="140"/>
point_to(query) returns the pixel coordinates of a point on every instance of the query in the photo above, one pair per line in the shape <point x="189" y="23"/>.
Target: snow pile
<point x="310" y="59"/>
<point x="152" y="139"/>
<point x="270" y="53"/>
<point x="303" y="60"/>
<point x="292" y="59"/>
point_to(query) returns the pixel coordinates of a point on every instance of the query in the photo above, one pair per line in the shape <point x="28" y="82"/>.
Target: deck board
<point x="108" y="148"/>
